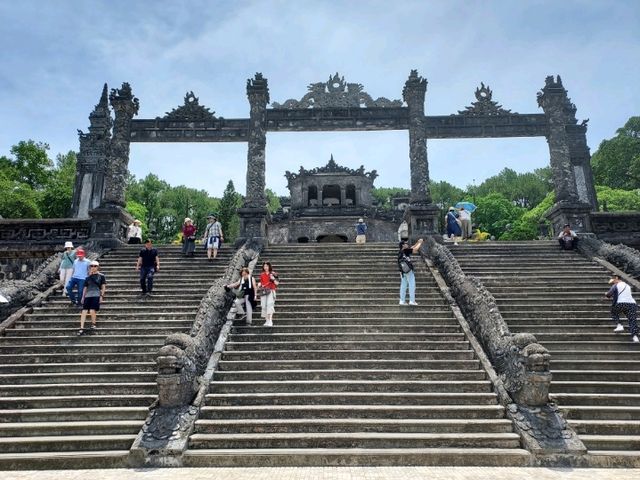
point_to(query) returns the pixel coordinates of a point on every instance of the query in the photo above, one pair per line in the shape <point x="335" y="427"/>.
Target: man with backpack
<point x="407" y="277"/>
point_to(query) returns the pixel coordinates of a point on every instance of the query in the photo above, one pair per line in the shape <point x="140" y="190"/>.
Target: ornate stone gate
<point x="334" y="105"/>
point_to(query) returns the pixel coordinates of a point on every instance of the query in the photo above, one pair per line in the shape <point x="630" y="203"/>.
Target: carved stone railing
<point x="19" y="296"/>
<point x="521" y="365"/>
<point x="186" y="364"/>
<point x="44" y="231"/>
<point x="625" y="258"/>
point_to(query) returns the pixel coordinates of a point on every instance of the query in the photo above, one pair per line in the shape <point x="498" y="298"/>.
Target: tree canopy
<point x="616" y="163"/>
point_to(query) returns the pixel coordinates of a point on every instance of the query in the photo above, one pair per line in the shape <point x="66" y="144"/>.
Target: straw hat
<point x="68" y="244"/>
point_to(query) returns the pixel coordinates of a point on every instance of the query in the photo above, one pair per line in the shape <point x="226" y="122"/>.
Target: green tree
<point x="17" y="200"/>
<point x="617" y="200"/>
<point x="149" y="192"/>
<point x="228" y="215"/>
<point x="30" y="164"/>
<point x="528" y="226"/>
<point x="139" y="212"/>
<point x="616" y="163"/>
<point x="524" y="189"/>
<point x="384" y="195"/>
<point x="445" y="195"/>
<point x="273" y="201"/>
<point x="495" y="212"/>
<point x="55" y="201"/>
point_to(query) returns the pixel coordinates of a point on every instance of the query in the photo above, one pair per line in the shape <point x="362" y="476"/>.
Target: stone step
<point x="322" y="425"/>
<point x="345" y="337"/>
<point x="72" y="339"/>
<point x="65" y="443"/>
<point x="78" y="401"/>
<point x="596" y="399"/>
<point x="619" y="344"/>
<point x="313" y="330"/>
<point x="352" y="411"/>
<point x="134" y="331"/>
<point x="347" y="354"/>
<point x="595" y="386"/>
<point x="42" y="368"/>
<point x="135" y="388"/>
<point x="587" y="365"/>
<point x="86" y="376"/>
<point x="75" y="358"/>
<point x="601" y="412"/>
<point x="354" y="440"/>
<point x="41" y="429"/>
<point x="383" y="364"/>
<point x="362" y="322"/>
<point x="348" y="345"/>
<point x="106" y="315"/>
<point x="347" y="386"/>
<point x="79" y="348"/>
<point x="64" y="460"/>
<point x="404" y="312"/>
<point x="606" y="427"/>
<point x="351" y="374"/>
<point x="611" y="442"/>
<point x="340" y="457"/>
<point x="350" y="398"/>
<point x="71" y="414"/>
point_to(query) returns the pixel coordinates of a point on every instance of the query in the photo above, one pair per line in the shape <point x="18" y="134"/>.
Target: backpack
<point x="404" y="263"/>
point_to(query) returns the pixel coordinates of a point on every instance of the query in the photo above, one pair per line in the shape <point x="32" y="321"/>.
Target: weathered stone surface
<point x="258" y="94"/>
<point x="413" y="93"/>
<point x="185" y="370"/>
<point x="336" y="93"/>
<point x="191" y="111"/>
<point x="625" y="258"/>
<point x="125" y="106"/>
<point x="484" y="105"/>
<point x="617" y="227"/>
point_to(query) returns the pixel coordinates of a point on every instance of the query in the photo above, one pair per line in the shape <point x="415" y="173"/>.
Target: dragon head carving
<point x="177" y="373"/>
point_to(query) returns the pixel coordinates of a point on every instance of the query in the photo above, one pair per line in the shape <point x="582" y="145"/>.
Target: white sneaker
<point x="455" y="243"/>
<point x="635" y="339"/>
<point x="619" y="328"/>
<point x="415" y="304"/>
<point x="402" y="303"/>
<point x="268" y="323"/>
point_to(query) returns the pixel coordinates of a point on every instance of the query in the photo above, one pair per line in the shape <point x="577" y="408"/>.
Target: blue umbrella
<point x="468" y="206"/>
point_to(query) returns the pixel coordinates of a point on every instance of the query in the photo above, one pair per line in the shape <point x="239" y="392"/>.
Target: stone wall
<point x="290" y="231"/>
<point x="18" y="265"/>
<point x="617" y="227"/>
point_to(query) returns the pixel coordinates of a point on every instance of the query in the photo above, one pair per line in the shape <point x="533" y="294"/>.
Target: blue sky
<point x="56" y="55"/>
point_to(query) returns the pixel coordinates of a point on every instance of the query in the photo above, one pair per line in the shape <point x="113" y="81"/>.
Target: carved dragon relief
<point x="484" y="105"/>
<point x="337" y="93"/>
<point x="190" y="111"/>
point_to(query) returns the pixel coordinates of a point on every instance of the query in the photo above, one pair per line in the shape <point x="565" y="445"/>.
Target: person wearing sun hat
<point x="188" y="237"/>
<point x="623" y="302"/>
<point x="92" y="296"/>
<point x="361" y="230"/>
<point x="134" y="233"/>
<point x="66" y="265"/>
<point x="213" y="236"/>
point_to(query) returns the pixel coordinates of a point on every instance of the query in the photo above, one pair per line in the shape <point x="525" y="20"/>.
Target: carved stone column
<point x="110" y="220"/>
<point x="569" y="159"/>
<point x="423" y="214"/>
<point x="92" y="160"/>
<point x="125" y="106"/>
<point x="253" y="213"/>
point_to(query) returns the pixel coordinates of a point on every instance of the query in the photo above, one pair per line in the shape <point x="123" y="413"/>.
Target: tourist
<point x="403" y="232"/>
<point x="188" y="237"/>
<point x="407" y="276"/>
<point x="66" y="265"/>
<point x="623" y="302"/>
<point x="79" y="275"/>
<point x="213" y="236"/>
<point x="134" y="233"/>
<point x="92" y="296"/>
<point x="246" y="301"/>
<point x="465" y="223"/>
<point x="148" y="264"/>
<point x="361" y="231"/>
<point x="268" y="285"/>
<point x="453" y="227"/>
<point x="567" y="238"/>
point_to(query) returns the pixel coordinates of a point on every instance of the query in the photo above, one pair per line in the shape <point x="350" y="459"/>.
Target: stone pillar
<point x="569" y="159"/>
<point x="125" y="106"/>
<point x="110" y="220"/>
<point x="92" y="160"/>
<point x="253" y="214"/>
<point x="423" y="214"/>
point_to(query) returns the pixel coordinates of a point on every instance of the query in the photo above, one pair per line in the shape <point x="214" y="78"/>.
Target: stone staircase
<point x="347" y="376"/>
<point x="79" y="402"/>
<point x="559" y="297"/>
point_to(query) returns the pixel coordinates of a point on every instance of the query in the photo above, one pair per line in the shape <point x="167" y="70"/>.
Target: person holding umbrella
<point x="465" y="209"/>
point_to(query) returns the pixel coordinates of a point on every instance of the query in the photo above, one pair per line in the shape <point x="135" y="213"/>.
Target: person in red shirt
<point x="188" y="237"/>
<point x="268" y="285"/>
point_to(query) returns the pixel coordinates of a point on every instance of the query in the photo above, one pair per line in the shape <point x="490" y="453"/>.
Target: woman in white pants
<point x="268" y="284"/>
